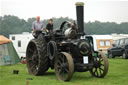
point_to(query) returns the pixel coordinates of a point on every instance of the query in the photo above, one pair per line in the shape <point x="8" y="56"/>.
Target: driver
<point x="37" y="27"/>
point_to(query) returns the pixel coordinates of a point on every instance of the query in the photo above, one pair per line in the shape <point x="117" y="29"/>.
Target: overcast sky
<point x="101" y="10"/>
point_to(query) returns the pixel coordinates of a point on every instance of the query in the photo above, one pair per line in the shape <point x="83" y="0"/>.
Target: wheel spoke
<point x="102" y="64"/>
<point x="58" y="67"/>
<point x="101" y="59"/>
<point x="58" y="62"/>
<point x="35" y="70"/>
<point x="95" y="70"/>
<point x="101" y="69"/>
<point x="66" y="69"/>
<point x="33" y="67"/>
<point x="61" y="59"/>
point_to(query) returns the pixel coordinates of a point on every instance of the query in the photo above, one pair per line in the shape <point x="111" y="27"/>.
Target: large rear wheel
<point x="36" y="56"/>
<point x="64" y="66"/>
<point x="100" y="67"/>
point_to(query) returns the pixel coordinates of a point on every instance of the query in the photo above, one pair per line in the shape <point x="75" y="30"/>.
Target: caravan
<point x="20" y="42"/>
<point x="100" y="42"/>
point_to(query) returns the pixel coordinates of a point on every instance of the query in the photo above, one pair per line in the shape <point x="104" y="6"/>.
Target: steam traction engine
<point x="65" y="51"/>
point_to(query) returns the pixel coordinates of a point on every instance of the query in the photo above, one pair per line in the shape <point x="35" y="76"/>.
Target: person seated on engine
<point x="37" y="27"/>
<point x="49" y="27"/>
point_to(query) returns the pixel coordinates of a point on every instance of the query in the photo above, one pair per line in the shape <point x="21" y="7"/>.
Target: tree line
<point x="10" y="24"/>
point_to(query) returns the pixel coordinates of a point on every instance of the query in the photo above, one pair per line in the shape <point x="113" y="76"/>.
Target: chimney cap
<point x="79" y="3"/>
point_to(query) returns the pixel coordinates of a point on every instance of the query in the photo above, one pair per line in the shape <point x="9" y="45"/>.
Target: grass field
<point x="117" y="75"/>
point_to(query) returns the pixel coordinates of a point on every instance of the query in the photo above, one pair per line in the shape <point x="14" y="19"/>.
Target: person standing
<point x="37" y="27"/>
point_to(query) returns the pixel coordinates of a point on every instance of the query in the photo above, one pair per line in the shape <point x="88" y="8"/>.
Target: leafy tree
<point x="10" y="24"/>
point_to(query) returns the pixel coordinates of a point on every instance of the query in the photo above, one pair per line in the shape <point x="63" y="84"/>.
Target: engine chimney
<point x="80" y="17"/>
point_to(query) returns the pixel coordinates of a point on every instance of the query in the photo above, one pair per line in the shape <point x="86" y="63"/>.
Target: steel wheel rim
<point x="64" y="66"/>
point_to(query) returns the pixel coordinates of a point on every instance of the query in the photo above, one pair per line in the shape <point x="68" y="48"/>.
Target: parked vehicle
<point x="119" y="48"/>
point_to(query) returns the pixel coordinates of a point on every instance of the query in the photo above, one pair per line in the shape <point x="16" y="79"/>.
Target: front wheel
<point x="64" y="66"/>
<point x="100" y="67"/>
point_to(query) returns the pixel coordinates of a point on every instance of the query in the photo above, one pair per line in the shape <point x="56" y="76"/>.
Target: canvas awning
<point x="4" y="39"/>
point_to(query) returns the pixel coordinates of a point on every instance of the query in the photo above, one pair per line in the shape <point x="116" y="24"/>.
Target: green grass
<point x="117" y="75"/>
